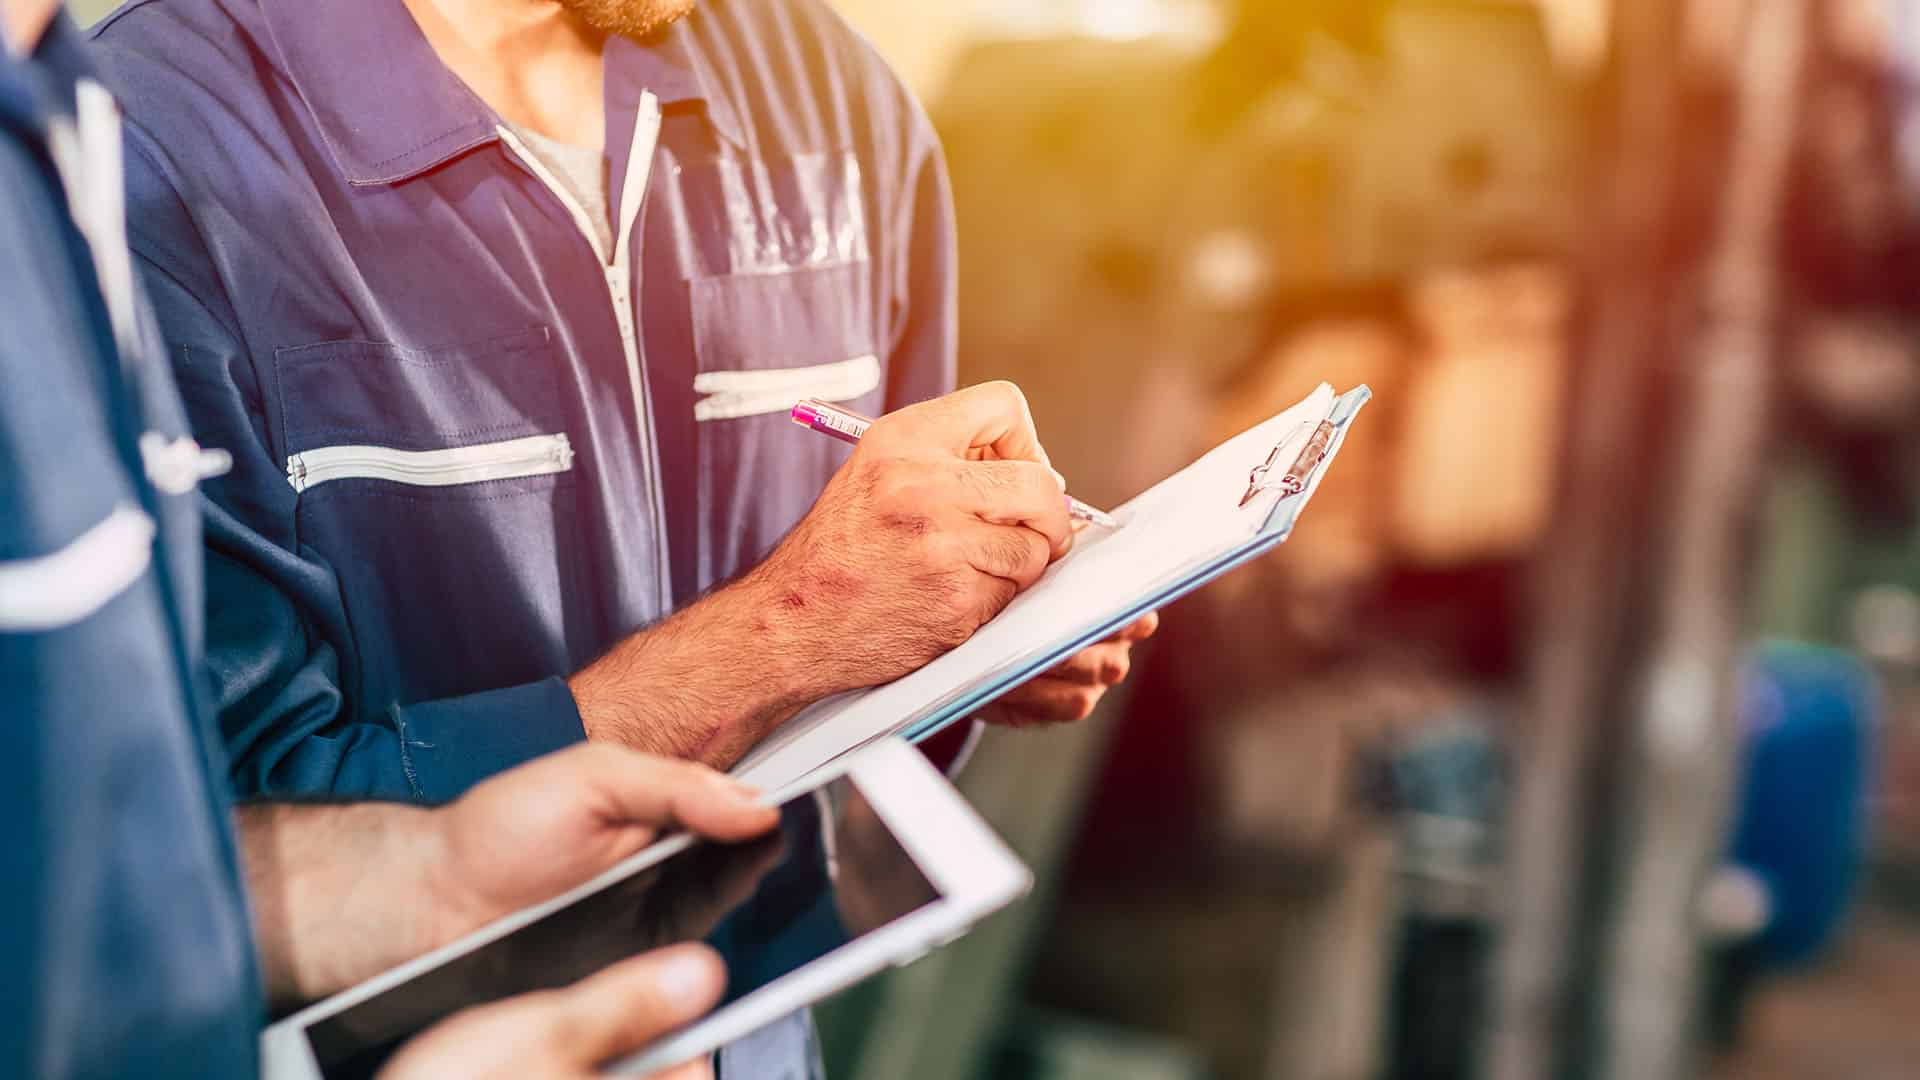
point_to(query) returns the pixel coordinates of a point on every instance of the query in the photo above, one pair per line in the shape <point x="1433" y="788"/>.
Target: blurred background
<point x="1577" y="732"/>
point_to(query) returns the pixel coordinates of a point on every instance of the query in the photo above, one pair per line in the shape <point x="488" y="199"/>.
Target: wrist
<point x="717" y="673"/>
<point x="444" y="894"/>
<point x="788" y="636"/>
<point x="389" y="912"/>
<point x="337" y="893"/>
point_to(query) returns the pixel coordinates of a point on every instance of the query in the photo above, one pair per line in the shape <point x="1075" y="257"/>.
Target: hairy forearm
<point x="340" y="893"/>
<point x="706" y="684"/>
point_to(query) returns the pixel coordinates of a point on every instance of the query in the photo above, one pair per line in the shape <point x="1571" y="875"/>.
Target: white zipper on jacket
<point x="536" y="455"/>
<point x="616" y="266"/>
<point x="753" y="392"/>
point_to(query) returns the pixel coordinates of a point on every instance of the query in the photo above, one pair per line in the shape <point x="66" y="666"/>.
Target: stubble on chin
<point x="629" y="18"/>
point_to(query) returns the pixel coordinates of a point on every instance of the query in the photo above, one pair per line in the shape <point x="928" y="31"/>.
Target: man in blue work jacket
<point x="500" y="307"/>
<point x="143" y="933"/>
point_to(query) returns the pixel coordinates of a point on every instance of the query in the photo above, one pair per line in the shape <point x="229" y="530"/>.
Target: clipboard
<point x="1308" y="446"/>
<point x="1279" y="526"/>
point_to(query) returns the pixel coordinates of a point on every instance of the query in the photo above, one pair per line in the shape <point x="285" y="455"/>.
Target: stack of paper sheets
<point x="1186" y="529"/>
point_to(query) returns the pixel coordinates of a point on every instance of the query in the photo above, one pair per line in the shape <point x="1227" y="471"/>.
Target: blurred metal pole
<point x="1683" y="757"/>
<point x="1585" y="576"/>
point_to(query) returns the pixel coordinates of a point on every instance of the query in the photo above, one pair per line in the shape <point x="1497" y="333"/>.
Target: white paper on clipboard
<point x="1180" y="533"/>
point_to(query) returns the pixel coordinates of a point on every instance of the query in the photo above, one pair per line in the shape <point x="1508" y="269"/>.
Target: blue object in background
<point x="1810" y="714"/>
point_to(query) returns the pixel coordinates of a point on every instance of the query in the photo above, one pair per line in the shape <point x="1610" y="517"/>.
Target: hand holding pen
<point x="1069" y="692"/>
<point x="944" y="512"/>
<point x="848" y="427"/>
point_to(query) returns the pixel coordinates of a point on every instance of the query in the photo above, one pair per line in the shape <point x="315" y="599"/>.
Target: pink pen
<point x="847" y="426"/>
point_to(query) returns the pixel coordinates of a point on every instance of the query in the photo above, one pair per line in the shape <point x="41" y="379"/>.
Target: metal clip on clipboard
<point x="1294" y="480"/>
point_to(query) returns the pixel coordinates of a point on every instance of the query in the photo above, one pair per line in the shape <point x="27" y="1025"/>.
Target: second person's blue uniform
<point x="123" y="924"/>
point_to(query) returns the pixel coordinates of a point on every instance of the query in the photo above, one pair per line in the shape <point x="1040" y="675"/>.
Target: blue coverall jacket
<point x="472" y="452"/>
<point x="123" y="928"/>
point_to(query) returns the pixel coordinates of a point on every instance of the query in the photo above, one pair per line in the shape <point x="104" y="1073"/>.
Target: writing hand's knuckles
<point x="1018" y="554"/>
<point x="967" y="601"/>
<point x="1025" y="437"/>
<point x="891" y="484"/>
<point x="1036" y="554"/>
<point x="1008" y="396"/>
<point x="1033" y="491"/>
<point x="998" y="557"/>
<point x="1041" y="491"/>
<point x="862" y="472"/>
<point x="995" y="594"/>
<point x="998" y="395"/>
<point x="1037" y="480"/>
<point x="885" y="429"/>
<point x="1006" y="552"/>
<point x="987" y="481"/>
<point x="948" y="555"/>
<point x="905" y="431"/>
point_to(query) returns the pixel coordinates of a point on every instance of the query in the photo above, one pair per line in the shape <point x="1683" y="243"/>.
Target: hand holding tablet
<point x="893" y="864"/>
<point x="342" y="895"/>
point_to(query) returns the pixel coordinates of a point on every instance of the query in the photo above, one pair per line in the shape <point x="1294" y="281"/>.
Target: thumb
<point x="635" y="1002"/>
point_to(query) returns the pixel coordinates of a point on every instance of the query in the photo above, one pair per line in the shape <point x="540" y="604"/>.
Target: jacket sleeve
<point x="279" y="648"/>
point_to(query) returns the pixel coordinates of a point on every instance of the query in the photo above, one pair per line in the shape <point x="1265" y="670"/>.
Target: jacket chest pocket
<point x="786" y="313"/>
<point x="763" y="343"/>
<point x="437" y="484"/>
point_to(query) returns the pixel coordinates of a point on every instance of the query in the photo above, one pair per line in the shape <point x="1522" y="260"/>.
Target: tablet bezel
<point x="969" y="867"/>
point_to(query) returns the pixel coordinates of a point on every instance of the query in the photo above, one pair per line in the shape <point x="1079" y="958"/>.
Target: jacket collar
<point x="390" y="110"/>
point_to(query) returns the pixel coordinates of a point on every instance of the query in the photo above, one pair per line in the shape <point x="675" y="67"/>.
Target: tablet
<point x="877" y="861"/>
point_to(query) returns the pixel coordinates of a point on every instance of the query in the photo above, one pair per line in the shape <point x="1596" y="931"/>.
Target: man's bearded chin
<point x="629" y="18"/>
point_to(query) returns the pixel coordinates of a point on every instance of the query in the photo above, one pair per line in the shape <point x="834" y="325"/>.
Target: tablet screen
<point x="832" y="872"/>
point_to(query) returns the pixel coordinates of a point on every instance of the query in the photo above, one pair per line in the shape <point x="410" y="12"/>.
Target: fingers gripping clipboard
<point x="1236" y="503"/>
